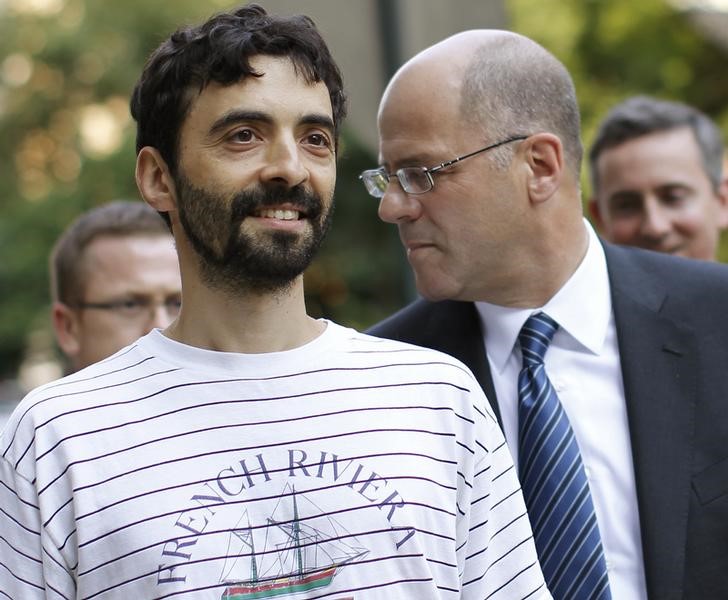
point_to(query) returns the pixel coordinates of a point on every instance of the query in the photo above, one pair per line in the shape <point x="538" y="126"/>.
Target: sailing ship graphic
<point x="298" y="552"/>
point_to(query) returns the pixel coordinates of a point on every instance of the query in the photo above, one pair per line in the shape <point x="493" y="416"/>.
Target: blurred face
<point x="132" y="285"/>
<point x="458" y="236"/>
<point x="654" y="193"/>
<point x="256" y="178"/>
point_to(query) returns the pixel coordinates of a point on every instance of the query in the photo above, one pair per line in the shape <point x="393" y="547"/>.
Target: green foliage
<point x="58" y="70"/>
<point x="619" y="48"/>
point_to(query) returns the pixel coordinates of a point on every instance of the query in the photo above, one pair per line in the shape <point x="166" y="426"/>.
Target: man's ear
<point x="155" y="181"/>
<point x="595" y="213"/>
<point x="66" y="328"/>
<point x="545" y="160"/>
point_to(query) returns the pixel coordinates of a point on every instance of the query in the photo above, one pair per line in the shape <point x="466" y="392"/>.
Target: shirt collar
<point x="582" y="308"/>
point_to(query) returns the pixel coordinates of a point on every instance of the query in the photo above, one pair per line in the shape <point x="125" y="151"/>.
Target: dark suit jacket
<point x="672" y="328"/>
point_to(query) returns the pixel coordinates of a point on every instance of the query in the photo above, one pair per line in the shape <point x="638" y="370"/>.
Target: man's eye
<point x="243" y="136"/>
<point x="318" y="139"/>
<point x="131" y="304"/>
<point x="673" y="195"/>
<point x="625" y="204"/>
<point x="626" y="207"/>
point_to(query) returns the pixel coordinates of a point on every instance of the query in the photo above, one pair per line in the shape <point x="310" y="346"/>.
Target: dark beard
<point x="233" y="261"/>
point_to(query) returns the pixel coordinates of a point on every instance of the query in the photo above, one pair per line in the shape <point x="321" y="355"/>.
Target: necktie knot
<point x="535" y="337"/>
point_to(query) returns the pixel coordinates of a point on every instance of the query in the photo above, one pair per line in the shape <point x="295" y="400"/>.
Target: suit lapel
<point x="659" y="367"/>
<point x="465" y="342"/>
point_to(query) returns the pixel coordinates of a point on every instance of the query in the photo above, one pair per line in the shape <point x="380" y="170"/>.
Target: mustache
<point x="248" y="202"/>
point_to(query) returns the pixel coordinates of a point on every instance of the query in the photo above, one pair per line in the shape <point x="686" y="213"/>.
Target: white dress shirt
<point x="582" y="363"/>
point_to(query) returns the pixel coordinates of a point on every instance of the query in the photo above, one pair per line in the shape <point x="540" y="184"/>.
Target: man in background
<point x="657" y="178"/>
<point x="114" y="276"/>
<point x="607" y="364"/>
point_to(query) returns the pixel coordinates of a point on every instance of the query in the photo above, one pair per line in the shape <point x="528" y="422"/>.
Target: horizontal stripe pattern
<point x="129" y="478"/>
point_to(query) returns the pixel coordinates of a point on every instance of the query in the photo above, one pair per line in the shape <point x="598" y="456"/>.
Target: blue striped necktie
<point x="553" y="479"/>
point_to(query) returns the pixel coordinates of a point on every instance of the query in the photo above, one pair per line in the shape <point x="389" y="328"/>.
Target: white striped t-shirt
<point x="349" y="468"/>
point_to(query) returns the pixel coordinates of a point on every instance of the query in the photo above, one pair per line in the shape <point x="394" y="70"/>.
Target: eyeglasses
<point x="417" y="180"/>
<point x="135" y="308"/>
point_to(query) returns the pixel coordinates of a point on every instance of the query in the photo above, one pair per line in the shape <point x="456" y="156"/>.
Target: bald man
<point x="623" y="350"/>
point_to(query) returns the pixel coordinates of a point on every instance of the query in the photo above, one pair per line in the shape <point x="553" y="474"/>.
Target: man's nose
<point x="655" y="221"/>
<point x="284" y="164"/>
<point x="396" y="205"/>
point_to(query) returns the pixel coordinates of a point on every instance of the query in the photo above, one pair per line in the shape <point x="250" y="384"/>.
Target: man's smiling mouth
<point x="277" y="213"/>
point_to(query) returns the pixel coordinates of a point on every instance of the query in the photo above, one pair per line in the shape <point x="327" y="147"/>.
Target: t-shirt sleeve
<point x="499" y="555"/>
<point x="31" y="565"/>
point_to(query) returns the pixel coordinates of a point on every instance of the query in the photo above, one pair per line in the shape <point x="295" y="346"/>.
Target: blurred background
<point x="67" y="140"/>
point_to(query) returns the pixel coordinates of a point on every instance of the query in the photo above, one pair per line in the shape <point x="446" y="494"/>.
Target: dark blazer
<point x="672" y="329"/>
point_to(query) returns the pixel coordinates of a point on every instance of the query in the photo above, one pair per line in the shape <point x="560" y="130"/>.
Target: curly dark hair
<point x="219" y="51"/>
